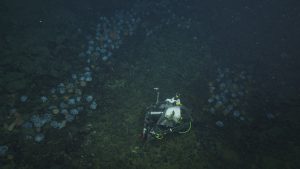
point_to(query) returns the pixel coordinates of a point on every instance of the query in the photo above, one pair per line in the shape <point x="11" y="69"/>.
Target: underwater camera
<point x="166" y="117"/>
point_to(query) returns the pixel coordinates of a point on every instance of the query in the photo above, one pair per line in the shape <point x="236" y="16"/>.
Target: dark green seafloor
<point x="110" y="136"/>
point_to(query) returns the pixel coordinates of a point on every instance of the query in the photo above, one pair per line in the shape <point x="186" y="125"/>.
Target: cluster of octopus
<point x="62" y="105"/>
<point x="109" y="35"/>
<point x="67" y="100"/>
<point x="227" y="95"/>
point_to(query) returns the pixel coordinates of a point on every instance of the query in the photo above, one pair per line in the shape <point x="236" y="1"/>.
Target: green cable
<point x="158" y="136"/>
<point x="187" y="129"/>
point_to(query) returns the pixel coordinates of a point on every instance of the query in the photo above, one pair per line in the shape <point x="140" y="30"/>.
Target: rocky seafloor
<point x="73" y="92"/>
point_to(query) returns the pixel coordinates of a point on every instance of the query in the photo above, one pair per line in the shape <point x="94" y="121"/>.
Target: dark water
<point x="76" y="78"/>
